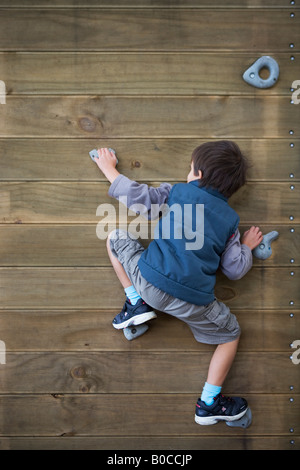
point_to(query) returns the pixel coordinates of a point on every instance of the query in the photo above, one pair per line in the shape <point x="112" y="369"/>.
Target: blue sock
<point x="132" y="294"/>
<point x="209" y="392"/>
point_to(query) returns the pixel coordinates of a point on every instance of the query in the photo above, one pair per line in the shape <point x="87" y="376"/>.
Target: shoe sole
<point x="137" y="320"/>
<point x="208" y="420"/>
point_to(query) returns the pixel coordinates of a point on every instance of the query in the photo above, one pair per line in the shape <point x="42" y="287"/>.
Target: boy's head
<point x="219" y="165"/>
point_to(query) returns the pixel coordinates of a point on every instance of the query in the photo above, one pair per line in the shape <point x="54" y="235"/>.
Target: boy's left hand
<point x="252" y="237"/>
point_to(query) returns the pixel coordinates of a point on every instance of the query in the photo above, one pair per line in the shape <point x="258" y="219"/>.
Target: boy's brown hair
<point x="222" y="164"/>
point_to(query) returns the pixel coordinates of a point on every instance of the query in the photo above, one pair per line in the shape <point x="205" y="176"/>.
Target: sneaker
<point x="222" y="409"/>
<point x="133" y="314"/>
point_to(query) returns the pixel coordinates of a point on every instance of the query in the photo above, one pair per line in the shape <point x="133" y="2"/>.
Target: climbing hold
<point x="243" y="422"/>
<point x="252" y="77"/>
<point x="132" y="332"/>
<point x="264" y="250"/>
<point x="94" y="154"/>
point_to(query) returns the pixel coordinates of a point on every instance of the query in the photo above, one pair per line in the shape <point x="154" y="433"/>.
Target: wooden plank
<point x="152" y="4"/>
<point x="142" y="372"/>
<point x="268" y="208"/>
<point x="133" y="117"/>
<point x="85" y="288"/>
<point x="77" y="245"/>
<point x="34" y="202"/>
<point x="147" y="29"/>
<point x="144" y="414"/>
<point x="138" y="74"/>
<point x="91" y="330"/>
<point x="189" y="443"/>
<point x="139" y="159"/>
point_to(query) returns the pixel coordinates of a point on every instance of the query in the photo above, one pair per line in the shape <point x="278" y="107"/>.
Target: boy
<point x="170" y="278"/>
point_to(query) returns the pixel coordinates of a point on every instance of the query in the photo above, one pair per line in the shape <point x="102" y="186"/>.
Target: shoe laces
<point x="223" y="399"/>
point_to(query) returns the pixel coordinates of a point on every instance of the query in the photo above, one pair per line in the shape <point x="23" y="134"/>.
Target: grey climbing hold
<point x="252" y="77"/>
<point x="132" y="332"/>
<point x="94" y="154"/>
<point x="264" y="250"/>
<point x="243" y="422"/>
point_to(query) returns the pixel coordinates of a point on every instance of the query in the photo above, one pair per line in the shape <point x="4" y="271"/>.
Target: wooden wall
<point x="151" y="80"/>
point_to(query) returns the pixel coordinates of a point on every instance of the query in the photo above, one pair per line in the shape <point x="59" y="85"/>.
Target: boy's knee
<point x="118" y="233"/>
<point x="113" y="237"/>
<point x="110" y="244"/>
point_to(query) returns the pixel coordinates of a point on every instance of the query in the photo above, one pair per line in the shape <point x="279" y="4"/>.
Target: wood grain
<point x="91" y="330"/>
<point x="40" y="288"/>
<point x="147" y="29"/>
<point x="78" y="245"/>
<point x="140" y="159"/>
<point x="153" y="4"/>
<point x="131" y="117"/>
<point x="34" y="202"/>
<point x="154" y="373"/>
<point x="138" y="73"/>
<point x="102" y="415"/>
<point x="189" y="443"/>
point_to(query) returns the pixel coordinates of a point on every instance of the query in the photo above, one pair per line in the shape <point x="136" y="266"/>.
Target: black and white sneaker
<point x="133" y="314"/>
<point x="222" y="409"/>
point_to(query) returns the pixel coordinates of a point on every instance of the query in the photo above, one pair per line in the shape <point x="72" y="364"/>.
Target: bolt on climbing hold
<point x="264" y="250"/>
<point x="252" y="77"/>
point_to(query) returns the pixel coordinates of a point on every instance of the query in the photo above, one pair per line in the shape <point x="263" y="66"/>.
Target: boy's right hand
<point x="252" y="237"/>
<point x="107" y="162"/>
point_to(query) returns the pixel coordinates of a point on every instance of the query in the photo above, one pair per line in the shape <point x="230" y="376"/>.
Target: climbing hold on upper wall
<point x="94" y="154"/>
<point x="252" y="76"/>
<point x="264" y="250"/>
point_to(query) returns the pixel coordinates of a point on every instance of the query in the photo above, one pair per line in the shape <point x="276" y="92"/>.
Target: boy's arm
<point x="236" y="259"/>
<point x="138" y="197"/>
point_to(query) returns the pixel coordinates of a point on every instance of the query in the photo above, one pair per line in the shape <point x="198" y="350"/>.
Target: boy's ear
<point x="199" y="174"/>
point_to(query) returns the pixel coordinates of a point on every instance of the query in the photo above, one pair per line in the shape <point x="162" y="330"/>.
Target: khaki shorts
<point x="211" y="324"/>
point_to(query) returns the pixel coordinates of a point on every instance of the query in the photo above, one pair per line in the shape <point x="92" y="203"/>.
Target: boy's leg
<point x="219" y="367"/>
<point x="221" y="362"/>
<point x="119" y="270"/>
<point x="213" y="406"/>
<point x="130" y="291"/>
<point x="135" y="311"/>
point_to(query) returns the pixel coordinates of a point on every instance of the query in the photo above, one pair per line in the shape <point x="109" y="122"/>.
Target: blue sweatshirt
<point x="187" y="274"/>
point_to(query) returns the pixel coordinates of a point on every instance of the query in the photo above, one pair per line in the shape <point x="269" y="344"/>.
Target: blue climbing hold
<point x="252" y="77"/>
<point x="264" y="250"/>
<point x="94" y="154"/>
<point x="132" y="332"/>
<point x="243" y="422"/>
